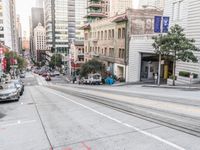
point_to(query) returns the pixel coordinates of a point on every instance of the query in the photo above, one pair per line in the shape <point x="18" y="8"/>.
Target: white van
<point x="94" y="79"/>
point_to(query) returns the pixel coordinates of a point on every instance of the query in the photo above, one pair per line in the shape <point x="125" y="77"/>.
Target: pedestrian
<point x="74" y="79"/>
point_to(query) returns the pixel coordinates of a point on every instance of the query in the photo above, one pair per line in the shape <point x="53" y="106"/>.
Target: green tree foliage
<point x="92" y="66"/>
<point x="21" y="62"/>
<point x="56" y="61"/>
<point x="176" y="45"/>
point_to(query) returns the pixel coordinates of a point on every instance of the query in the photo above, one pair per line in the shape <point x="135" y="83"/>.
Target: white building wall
<point x="39" y="39"/>
<point x="7" y="23"/>
<point x="186" y="14"/>
<point x="138" y="44"/>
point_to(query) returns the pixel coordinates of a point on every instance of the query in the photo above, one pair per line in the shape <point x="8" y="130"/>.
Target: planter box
<point x="170" y="82"/>
<point x="183" y="81"/>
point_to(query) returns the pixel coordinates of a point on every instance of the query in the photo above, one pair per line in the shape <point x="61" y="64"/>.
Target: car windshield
<point x="8" y="86"/>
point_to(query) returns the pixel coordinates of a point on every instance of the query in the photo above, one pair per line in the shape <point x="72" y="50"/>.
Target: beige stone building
<point x="108" y="40"/>
<point x="105" y="41"/>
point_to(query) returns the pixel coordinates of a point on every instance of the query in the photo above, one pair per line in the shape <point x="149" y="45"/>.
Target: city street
<point x="46" y="119"/>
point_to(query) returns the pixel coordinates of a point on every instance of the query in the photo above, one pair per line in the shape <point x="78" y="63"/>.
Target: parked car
<point x="56" y="73"/>
<point x="20" y="85"/>
<point x="9" y="92"/>
<point x="92" y="79"/>
<point x="95" y="79"/>
<point x="45" y="74"/>
<point x="22" y="75"/>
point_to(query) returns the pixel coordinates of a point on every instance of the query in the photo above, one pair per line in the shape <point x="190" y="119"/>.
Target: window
<point x="177" y="10"/>
<point x="119" y="33"/>
<point x="105" y="53"/>
<point x="109" y="34"/>
<point x="105" y="35"/>
<point x="98" y="35"/>
<point x="121" y="53"/>
<point x="111" y="52"/>
<point x="113" y="33"/>
<point x="123" y="33"/>
<point x="101" y="35"/>
<point x="86" y="36"/>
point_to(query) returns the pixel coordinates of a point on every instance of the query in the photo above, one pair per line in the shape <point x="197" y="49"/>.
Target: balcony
<point x="95" y="5"/>
<point x="96" y="14"/>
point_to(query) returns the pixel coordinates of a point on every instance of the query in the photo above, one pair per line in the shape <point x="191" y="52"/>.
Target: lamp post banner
<point x="165" y="24"/>
<point x="157" y="24"/>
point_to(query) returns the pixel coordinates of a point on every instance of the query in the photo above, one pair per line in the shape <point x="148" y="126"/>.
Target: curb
<point x="172" y="87"/>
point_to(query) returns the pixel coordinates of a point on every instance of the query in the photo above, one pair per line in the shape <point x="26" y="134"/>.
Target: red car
<point x="44" y="74"/>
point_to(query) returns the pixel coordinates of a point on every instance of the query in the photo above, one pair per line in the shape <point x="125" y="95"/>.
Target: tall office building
<point x="39" y="3"/>
<point x="56" y="24"/>
<point x="62" y="21"/>
<point x="152" y="3"/>
<point x="39" y="42"/>
<point x="8" y="34"/>
<point x="96" y="10"/>
<point x="80" y="13"/>
<point x="19" y="34"/>
<point x="119" y="6"/>
<point x="37" y="16"/>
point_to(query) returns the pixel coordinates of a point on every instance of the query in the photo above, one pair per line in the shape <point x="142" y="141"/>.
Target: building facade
<point x="19" y="34"/>
<point x="56" y="24"/>
<point x="153" y="3"/>
<point x="37" y="16"/>
<point x="119" y="6"/>
<point x="39" y="42"/>
<point x="8" y="24"/>
<point x="39" y="3"/>
<point x="105" y="41"/>
<point x="96" y="10"/>
<point x="80" y="13"/>
<point x="142" y="60"/>
<point x="186" y="14"/>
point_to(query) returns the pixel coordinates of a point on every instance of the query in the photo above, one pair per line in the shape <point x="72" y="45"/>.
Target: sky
<point x="23" y="8"/>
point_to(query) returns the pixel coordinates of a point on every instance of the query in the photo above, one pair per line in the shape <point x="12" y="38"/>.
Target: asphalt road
<point x="46" y="119"/>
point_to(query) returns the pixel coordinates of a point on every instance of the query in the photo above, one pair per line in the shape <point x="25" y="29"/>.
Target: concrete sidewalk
<point x="182" y="87"/>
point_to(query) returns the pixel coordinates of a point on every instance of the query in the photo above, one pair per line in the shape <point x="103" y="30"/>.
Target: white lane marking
<point x="18" y="123"/>
<point x="125" y="124"/>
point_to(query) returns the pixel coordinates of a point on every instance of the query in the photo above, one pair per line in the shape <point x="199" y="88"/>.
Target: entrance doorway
<point x="149" y="68"/>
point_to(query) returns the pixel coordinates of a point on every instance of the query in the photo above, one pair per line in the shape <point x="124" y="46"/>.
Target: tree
<point x="56" y="61"/>
<point x="176" y="45"/>
<point x="10" y="56"/>
<point x="92" y="66"/>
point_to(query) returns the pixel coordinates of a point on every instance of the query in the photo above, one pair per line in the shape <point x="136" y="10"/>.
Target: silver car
<point x="9" y="92"/>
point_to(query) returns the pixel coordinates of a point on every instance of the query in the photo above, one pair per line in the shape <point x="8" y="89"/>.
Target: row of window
<point x="107" y="34"/>
<point x="107" y="51"/>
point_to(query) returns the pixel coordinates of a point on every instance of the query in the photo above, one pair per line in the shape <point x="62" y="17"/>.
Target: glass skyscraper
<point x="63" y="19"/>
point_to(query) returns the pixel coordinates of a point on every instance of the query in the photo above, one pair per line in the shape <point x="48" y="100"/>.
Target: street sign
<point x="161" y="24"/>
<point x="157" y="24"/>
<point x="165" y="24"/>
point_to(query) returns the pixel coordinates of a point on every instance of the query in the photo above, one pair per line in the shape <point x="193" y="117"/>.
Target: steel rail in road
<point x="180" y="122"/>
<point x="182" y="101"/>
